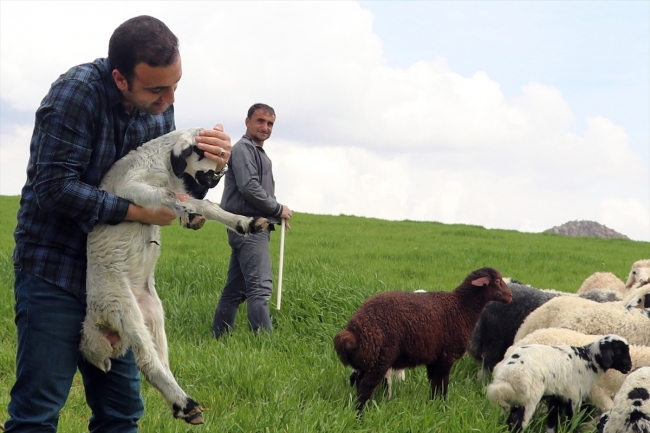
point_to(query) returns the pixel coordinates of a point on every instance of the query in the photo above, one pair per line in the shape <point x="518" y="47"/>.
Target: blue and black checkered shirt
<point x="81" y="129"/>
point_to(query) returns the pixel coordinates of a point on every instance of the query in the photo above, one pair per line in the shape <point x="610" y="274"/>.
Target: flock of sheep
<point x="567" y="349"/>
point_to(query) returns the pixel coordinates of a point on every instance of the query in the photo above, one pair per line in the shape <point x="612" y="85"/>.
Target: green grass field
<point x="291" y="380"/>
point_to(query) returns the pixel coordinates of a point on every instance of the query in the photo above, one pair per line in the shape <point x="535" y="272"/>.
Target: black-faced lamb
<point x="496" y="328"/>
<point x="608" y="385"/>
<point x="631" y="412"/>
<point x="403" y="330"/>
<point x="563" y="374"/>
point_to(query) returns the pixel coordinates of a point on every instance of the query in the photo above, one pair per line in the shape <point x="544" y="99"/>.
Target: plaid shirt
<point x="81" y="129"/>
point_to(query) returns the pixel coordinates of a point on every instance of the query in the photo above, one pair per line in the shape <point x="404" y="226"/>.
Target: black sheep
<point x="404" y="329"/>
<point x="496" y="328"/>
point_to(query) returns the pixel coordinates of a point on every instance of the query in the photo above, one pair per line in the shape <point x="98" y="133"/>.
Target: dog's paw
<point x="259" y="225"/>
<point x="247" y="226"/>
<point x="191" y="413"/>
<point x="192" y="221"/>
<point x="195" y="221"/>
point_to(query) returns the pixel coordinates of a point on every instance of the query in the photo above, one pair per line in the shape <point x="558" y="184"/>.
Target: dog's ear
<point x="178" y="157"/>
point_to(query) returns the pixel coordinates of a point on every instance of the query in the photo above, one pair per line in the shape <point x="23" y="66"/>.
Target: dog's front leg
<point x="240" y="224"/>
<point x="138" y="191"/>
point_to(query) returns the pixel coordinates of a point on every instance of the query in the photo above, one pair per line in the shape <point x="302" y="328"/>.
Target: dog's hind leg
<point x="154" y="316"/>
<point x="154" y="369"/>
<point x="240" y="224"/>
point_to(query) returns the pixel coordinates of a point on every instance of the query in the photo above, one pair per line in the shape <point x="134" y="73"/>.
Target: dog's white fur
<point x="123" y="308"/>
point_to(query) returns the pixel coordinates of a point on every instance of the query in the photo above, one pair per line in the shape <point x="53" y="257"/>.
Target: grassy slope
<point x="291" y="380"/>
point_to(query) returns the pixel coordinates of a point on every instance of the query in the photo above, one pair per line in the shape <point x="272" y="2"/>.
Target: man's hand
<point x="286" y="215"/>
<point x="162" y="216"/>
<point x="216" y="145"/>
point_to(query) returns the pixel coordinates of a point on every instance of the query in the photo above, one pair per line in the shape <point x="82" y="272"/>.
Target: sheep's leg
<point x="438" y="374"/>
<point x="366" y="386"/>
<point x="516" y="418"/>
<point x="240" y="224"/>
<point x="388" y="383"/>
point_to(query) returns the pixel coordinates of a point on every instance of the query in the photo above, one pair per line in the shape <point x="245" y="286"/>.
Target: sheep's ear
<point x="479" y="282"/>
<point x="179" y="160"/>
<point x="607" y="355"/>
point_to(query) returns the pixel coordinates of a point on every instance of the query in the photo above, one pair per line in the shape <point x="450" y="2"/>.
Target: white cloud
<point x="14" y="154"/>
<point x="354" y="135"/>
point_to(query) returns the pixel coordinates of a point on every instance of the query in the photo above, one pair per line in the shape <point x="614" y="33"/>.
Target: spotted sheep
<point x="564" y="375"/>
<point x="631" y="412"/>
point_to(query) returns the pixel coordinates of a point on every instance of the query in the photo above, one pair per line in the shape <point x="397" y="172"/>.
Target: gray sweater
<point x="249" y="187"/>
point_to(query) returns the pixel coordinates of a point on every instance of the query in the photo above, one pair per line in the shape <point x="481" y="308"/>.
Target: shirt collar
<point x="113" y="94"/>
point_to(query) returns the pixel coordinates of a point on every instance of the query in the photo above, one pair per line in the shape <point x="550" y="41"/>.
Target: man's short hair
<point x="263" y="107"/>
<point x="141" y="39"/>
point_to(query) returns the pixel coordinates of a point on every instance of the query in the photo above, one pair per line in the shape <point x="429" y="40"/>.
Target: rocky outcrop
<point x="586" y="228"/>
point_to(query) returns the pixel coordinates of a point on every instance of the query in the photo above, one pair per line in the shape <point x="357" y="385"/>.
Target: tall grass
<point x="291" y="380"/>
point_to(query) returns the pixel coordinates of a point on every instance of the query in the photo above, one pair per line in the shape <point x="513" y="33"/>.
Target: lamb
<point x="391" y="374"/>
<point x="403" y="330"/>
<point x="564" y="374"/>
<point x="602" y="280"/>
<point x="498" y="324"/>
<point x="590" y="317"/>
<point x="631" y="412"/>
<point x="602" y="394"/>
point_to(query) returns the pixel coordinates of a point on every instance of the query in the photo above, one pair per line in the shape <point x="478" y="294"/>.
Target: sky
<point x="509" y="115"/>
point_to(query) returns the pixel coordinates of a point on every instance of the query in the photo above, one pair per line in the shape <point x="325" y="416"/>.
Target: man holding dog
<point x="92" y="115"/>
<point x="249" y="189"/>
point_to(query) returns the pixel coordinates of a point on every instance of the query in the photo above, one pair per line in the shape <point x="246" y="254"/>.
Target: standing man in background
<point x="250" y="190"/>
<point x="93" y="114"/>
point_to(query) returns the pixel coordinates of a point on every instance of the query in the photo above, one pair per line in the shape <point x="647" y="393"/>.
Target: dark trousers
<point x="48" y="320"/>
<point x="249" y="279"/>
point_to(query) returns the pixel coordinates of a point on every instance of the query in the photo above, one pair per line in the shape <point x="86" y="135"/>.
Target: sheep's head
<point x="640" y="272"/>
<point x="492" y="282"/>
<point x="612" y="351"/>
<point x="640" y="296"/>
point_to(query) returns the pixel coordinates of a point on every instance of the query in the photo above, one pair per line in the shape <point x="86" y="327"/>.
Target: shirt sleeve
<point x="66" y="135"/>
<point x="248" y="180"/>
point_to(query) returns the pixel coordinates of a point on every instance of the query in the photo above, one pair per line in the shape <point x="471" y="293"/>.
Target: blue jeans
<point x="249" y="279"/>
<point x="48" y="320"/>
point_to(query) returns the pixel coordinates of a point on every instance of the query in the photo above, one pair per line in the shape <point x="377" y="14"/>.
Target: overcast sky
<point x="512" y="115"/>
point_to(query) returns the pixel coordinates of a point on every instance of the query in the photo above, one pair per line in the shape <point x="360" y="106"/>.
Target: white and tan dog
<point x="123" y="308"/>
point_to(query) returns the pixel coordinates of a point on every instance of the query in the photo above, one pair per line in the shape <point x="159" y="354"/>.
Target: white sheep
<point x="591" y="317"/>
<point x="602" y="280"/>
<point x="602" y="394"/>
<point x="564" y="374"/>
<point x="640" y="272"/>
<point x="631" y="412"/>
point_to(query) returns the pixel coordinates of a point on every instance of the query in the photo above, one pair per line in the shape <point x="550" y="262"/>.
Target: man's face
<point x="259" y="126"/>
<point x="152" y="88"/>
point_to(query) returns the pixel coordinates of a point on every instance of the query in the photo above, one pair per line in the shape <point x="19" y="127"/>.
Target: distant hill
<point x="586" y="228"/>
